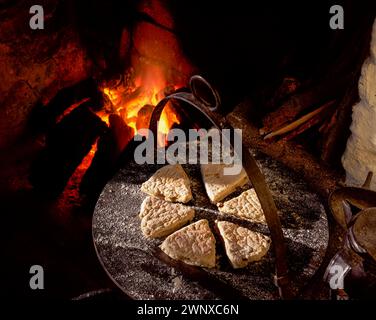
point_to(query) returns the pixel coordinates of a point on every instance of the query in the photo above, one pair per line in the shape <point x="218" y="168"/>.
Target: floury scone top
<point x="195" y="244"/>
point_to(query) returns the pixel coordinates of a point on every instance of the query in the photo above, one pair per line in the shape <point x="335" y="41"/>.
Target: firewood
<point x="44" y="116"/>
<point x="288" y="87"/>
<point x="101" y="166"/>
<point x="143" y="117"/>
<point x="66" y="146"/>
<point x="341" y="69"/>
<point x="317" y="95"/>
<point x="121" y="132"/>
<point x="304" y="127"/>
<point x="322" y="179"/>
<point x="110" y="147"/>
<point x="297" y="123"/>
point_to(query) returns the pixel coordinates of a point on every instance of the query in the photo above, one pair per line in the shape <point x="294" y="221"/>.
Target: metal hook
<point x="202" y="102"/>
<point x="204" y="92"/>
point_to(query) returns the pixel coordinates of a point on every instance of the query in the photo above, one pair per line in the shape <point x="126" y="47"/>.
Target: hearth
<point x="76" y="93"/>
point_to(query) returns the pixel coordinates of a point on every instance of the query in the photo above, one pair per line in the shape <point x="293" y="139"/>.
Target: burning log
<point x="143" y="117"/>
<point x="122" y="134"/>
<point x="66" y="146"/>
<point x="45" y="116"/>
<point x="109" y="149"/>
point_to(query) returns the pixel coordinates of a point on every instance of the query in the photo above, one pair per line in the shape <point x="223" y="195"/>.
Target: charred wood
<point x="110" y="147"/>
<point x="298" y="103"/>
<point x="315" y="120"/>
<point x="66" y="146"/>
<point x="308" y="118"/>
<point x="44" y="117"/>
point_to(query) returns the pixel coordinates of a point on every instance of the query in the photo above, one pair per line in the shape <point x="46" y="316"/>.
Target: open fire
<point x="134" y="102"/>
<point x="156" y="68"/>
<point x="75" y="93"/>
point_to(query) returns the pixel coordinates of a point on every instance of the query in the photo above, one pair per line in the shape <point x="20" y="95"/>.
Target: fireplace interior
<point x="74" y="95"/>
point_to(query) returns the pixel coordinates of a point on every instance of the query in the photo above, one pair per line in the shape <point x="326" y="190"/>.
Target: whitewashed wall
<point x="360" y="155"/>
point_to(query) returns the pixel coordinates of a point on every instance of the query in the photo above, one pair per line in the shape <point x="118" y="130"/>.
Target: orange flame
<point x="147" y="90"/>
<point x="157" y="63"/>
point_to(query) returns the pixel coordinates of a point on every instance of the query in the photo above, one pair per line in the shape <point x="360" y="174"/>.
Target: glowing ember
<point x="70" y="197"/>
<point x="70" y="109"/>
<point x="157" y="66"/>
<point x="147" y="90"/>
<point x="157" y="63"/>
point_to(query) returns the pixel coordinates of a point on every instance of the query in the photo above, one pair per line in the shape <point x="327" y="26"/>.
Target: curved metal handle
<point x="359" y="197"/>
<point x="204" y="93"/>
<point x="251" y="168"/>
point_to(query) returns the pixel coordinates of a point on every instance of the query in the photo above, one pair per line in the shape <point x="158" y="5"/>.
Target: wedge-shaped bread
<point x="161" y="218"/>
<point x="242" y="245"/>
<point x="246" y="206"/>
<point x="218" y="186"/>
<point x="170" y="183"/>
<point x="193" y="244"/>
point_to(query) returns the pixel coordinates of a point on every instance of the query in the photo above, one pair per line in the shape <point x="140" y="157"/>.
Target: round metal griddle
<point x="134" y="264"/>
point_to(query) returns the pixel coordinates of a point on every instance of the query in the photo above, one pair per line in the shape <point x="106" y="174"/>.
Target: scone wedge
<point x="246" y="206"/>
<point x="193" y="244"/>
<point x="160" y="218"/>
<point x="217" y="185"/>
<point x="241" y="244"/>
<point x="170" y="183"/>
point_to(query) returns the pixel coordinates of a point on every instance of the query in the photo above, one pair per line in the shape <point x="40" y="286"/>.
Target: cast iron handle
<point x="200" y="99"/>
